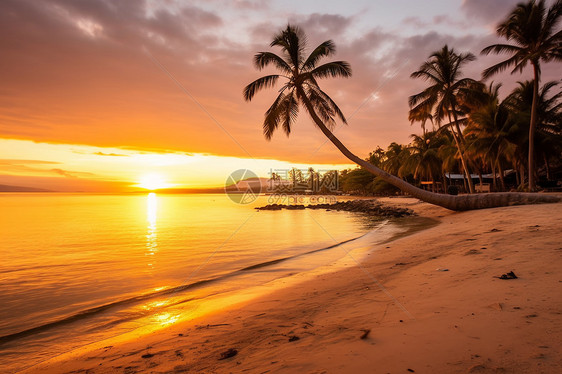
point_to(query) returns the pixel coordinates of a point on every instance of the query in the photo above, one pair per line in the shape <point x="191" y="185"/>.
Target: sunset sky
<point x="90" y="95"/>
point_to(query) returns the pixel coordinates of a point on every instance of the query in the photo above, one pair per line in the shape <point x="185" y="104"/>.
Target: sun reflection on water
<point x="151" y="234"/>
<point x="155" y="304"/>
<point x="166" y="318"/>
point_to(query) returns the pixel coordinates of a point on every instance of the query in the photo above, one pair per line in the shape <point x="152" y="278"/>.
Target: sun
<point x="153" y="181"/>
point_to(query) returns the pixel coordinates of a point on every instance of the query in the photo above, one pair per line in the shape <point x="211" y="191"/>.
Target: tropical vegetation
<point x="532" y="30"/>
<point x="473" y="132"/>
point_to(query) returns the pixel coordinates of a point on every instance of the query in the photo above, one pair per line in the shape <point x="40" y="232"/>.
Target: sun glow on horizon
<point x="153" y="181"/>
<point x="67" y="167"/>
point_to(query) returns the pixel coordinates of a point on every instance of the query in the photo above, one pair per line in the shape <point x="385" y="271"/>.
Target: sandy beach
<point x="431" y="302"/>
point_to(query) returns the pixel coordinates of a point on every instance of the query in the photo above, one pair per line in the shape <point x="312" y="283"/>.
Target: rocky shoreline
<point x="372" y="207"/>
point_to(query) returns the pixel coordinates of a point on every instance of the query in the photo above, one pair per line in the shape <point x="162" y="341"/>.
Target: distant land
<point x="254" y="184"/>
<point x="7" y="188"/>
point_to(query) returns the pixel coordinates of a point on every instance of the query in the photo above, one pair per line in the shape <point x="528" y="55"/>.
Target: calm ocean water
<point x="79" y="268"/>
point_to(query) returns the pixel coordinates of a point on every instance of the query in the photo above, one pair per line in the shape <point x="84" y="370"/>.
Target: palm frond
<point x="273" y="116"/>
<point x="501" y="48"/>
<point x="420" y="113"/>
<point x="291" y="112"/>
<point x="332" y="69"/>
<point x="429" y="94"/>
<point x="553" y="17"/>
<point x="263" y="59"/>
<point x="427" y="72"/>
<point x="501" y="66"/>
<point x="259" y="84"/>
<point x="293" y="42"/>
<point x="280" y="40"/>
<point x="466" y="83"/>
<point x="466" y="57"/>
<point x="553" y="51"/>
<point x="321" y="106"/>
<point x="331" y="104"/>
<point x="325" y="49"/>
<point x="520" y="65"/>
<point x="440" y="111"/>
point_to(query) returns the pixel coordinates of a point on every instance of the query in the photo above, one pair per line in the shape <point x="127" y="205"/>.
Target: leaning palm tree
<point x="532" y="31"/>
<point x="301" y="88"/>
<point x="443" y="72"/>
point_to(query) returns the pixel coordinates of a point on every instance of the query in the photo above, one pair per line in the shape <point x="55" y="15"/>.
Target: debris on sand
<point x="231" y="352"/>
<point x="365" y="334"/>
<point x="510" y="275"/>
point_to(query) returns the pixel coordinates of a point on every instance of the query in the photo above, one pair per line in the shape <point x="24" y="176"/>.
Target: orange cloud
<point x="106" y="74"/>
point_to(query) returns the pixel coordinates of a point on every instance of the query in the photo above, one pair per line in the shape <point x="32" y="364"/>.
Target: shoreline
<point x="240" y="284"/>
<point x="418" y="317"/>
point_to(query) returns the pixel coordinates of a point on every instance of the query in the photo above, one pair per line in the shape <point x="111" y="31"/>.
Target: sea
<point x="77" y="269"/>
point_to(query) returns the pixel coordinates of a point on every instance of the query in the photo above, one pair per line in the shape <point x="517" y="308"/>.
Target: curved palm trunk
<point x="532" y="126"/>
<point x="459" y="203"/>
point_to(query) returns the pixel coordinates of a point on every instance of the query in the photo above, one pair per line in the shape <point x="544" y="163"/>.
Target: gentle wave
<point x="168" y="291"/>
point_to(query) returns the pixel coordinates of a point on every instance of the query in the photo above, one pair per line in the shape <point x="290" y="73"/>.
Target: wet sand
<point x="431" y="302"/>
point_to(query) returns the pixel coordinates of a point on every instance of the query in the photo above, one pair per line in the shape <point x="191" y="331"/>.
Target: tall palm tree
<point x="443" y="72"/>
<point x="301" y="88"/>
<point x="489" y="124"/>
<point x="549" y="115"/>
<point x="532" y="31"/>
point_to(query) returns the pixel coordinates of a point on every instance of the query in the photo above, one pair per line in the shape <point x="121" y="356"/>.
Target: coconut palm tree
<point x="313" y="179"/>
<point x="549" y="115"/>
<point x="395" y="155"/>
<point x="424" y="161"/>
<point x="532" y="31"/>
<point x="443" y="72"/>
<point x="301" y="75"/>
<point x="487" y="131"/>
<point x="422" y="115"/>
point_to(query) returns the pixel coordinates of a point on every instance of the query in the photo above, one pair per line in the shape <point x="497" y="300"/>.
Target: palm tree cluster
<point x="531" y="29"/>
<point x="489" y="135"/>
<point x="495" y="139"/>
<point x="458" y="107"/>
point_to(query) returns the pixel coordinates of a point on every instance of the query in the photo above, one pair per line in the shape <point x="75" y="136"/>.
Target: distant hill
<point x="7" y="188"/>
<point x="254" y="184"/>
